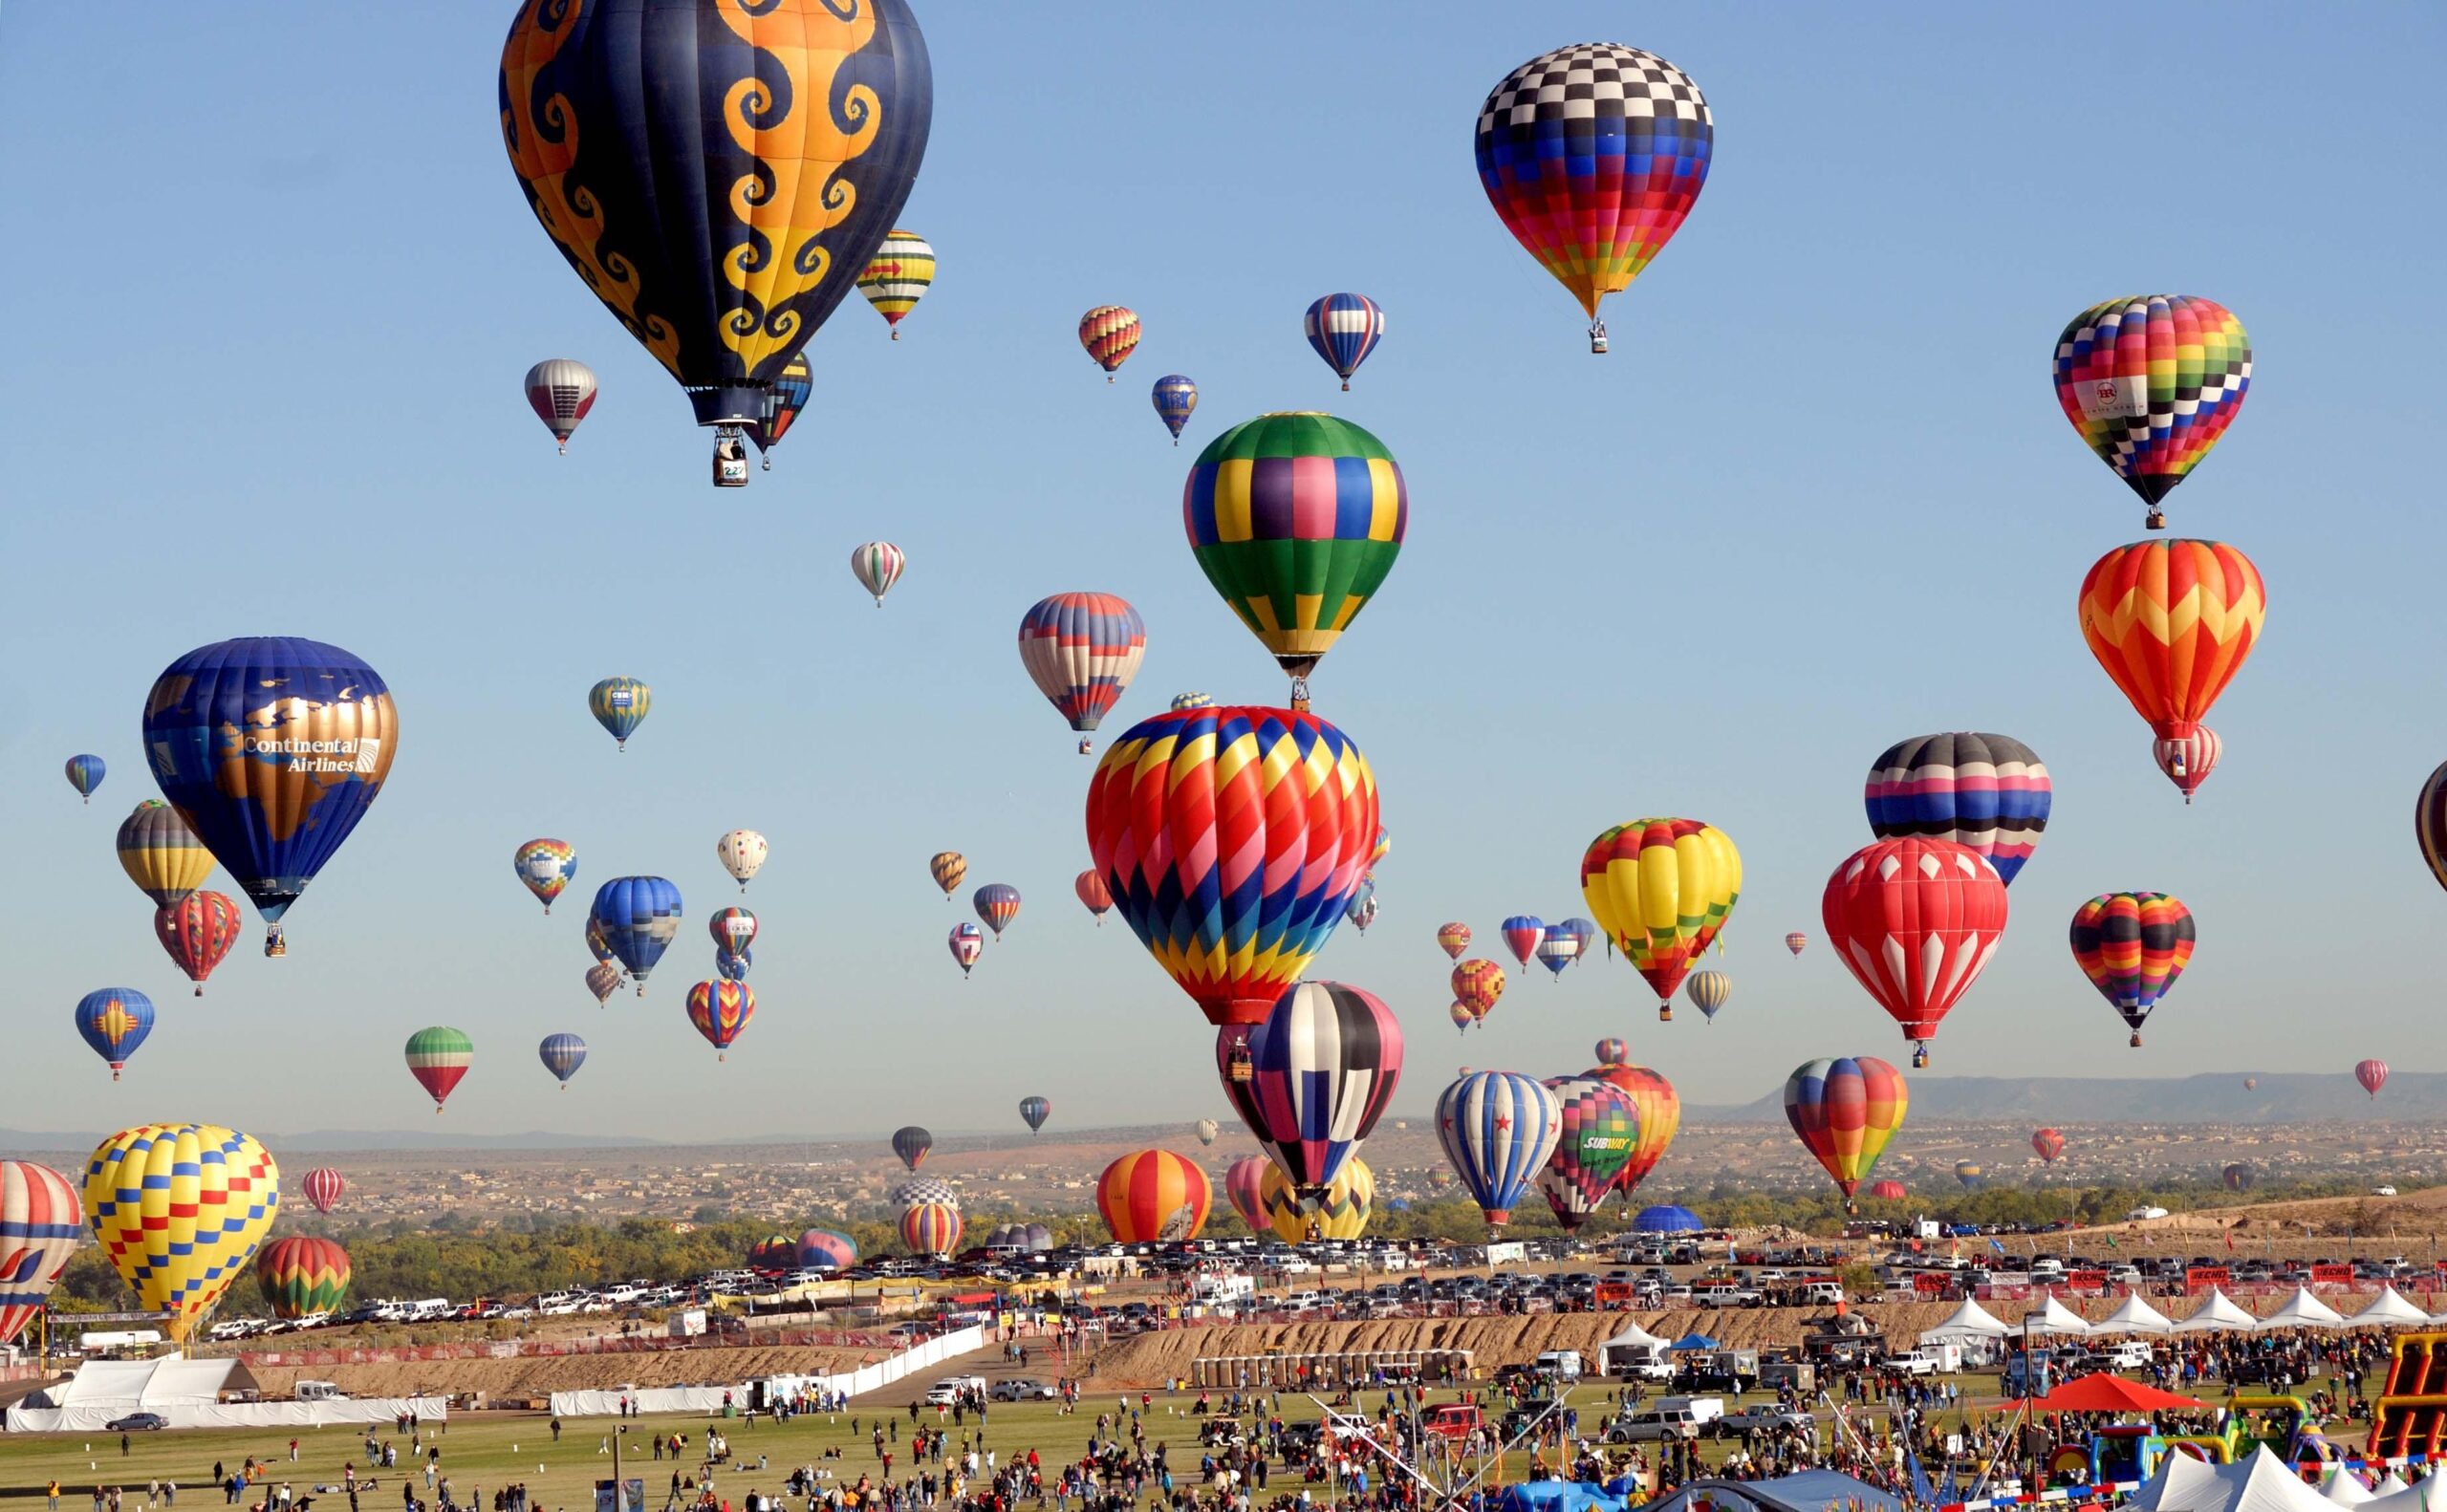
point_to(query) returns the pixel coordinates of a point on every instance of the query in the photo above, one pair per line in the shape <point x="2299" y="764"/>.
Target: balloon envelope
<point x="2372" y="1074"/>
<point x="639" y="916"/>
<point x="1175" y="397"/>
<point x="1341" y="1212"/>
<point x="115" y="1020"/>
<point x="1659" y="1105"/>
<point x="1342" y="330"/>
<point x="1081" y="650"/>
<point x="1662" y="889"/>
<point x="1990" y="793"/>
<point x="996" y="905"/>
<point x="1521" y="934"/>
<point x="1110" y="334"/>
<point x="323" y="1187"/>
<point x="160" y="853"/>
<point x="897" y="277"/>
<point x="1033" y="1112"/>
<point x="2151" y="382"/>
<point x="438" y="1058"/>
<point x="1498" y="1129"/>
<point x="1322" y="1067"/>
<point x="1455" y="939"/>
<point x="2132" y="946"/>
<point x="912" y="1143"/>
<point x="1845" y="1111"/>
<point x="1244" y="1185"/>
<point x="1914" y="920"/>
<point x="2172" y="622"/>
<point x="619" y="705"/>
<point x="560" y="390"/>
<point x="878" y="564"/>
<point x="197" y="931"/>
<point x="302" y="1276"/>
<point x="742" y="853"/>
<point x="545" y="866"/>
<point x="85" y="773"/>
<point x="180" y="1209"/>
<point x="1600" y="1132"/>
<point x="40" y="1222"/>
<point x="1153" y="1196"/>
<point x="562" y="1054"/>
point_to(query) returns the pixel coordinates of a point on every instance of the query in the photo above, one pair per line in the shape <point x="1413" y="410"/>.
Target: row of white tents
<point x="2218" y="1314"/>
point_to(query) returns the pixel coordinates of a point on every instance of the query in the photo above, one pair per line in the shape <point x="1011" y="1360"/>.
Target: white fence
<point x="709" y="1399"/>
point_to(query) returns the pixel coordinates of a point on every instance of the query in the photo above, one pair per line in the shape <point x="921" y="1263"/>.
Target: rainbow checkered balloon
<point x="2151" y="381"/>
<point x="180" y="1209"/>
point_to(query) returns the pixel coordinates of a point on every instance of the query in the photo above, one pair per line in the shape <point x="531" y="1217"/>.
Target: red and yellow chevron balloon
<point x="180" y="1209"/>
<point x="1661" y="890"/>
<point x="721" y="1010"/>
<point x="1154" y="1195"/>
<point x="302" y="1275"/>
<point x="2172" y="622"/>
<point x="1349" y="1201"/>
<point x="1111" y="334"/>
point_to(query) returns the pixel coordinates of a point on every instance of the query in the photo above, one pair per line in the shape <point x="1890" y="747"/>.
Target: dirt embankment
<point x="569" y="1372"/>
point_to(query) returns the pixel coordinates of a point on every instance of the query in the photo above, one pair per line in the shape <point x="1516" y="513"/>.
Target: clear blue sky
<point x="271" y="286"/>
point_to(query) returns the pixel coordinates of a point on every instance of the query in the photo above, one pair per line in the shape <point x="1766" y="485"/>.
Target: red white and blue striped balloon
<point x="1522" y="933"/>
<point x="1323" y="1066"/>
<point x="40" y="1223"/>
<point x="1560" y="948"/>
<point x="1498" y="1129"/>
<point x="1081" y="650"/>
<point x="1344" y="328"/>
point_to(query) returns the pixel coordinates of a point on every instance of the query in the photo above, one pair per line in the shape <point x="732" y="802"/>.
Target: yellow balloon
<point x="1661" y="890"/>
<point x="1351" y="1200"/>
<point x="181" y="1209"/>
<point x="160" y="853"/>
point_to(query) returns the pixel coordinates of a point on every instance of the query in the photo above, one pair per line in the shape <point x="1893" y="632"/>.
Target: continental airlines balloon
<point x="718" y="174"/>
<point x="639" y="916"/>
<point x="40" y="1222"/>
<point x="897" y="277"/>
<point x="2151" y="381"/>
<point x="301" y="1276"/>
<point x="1662" y="889"/>
<point x="1653" y="1097"/>
<point x="1844" y="1111"/>
<point x="742" y="853"/>
<point x="1231" y="840"/>
<point x="1592" y="155"/>
<point x="2132" y="946"/>
<point x="161" y="854"/>
<point x="1324" y="1065"/>
<point x="1340" y="1213"/>
<point x="438" y="1058"/>
<point x="1498" y="1128"/>
<point x="1600" y="1131"/>
<point x="721" y="1010"/>
<point x="1915" y="922"/>
<point x="1296" y="520"/>
<point x="1990" y="793"/>
<point x="197" y="931"/>
<point x="1153" y="1196"/>
<point x="271" y="748"/>
<point x="546" y="867"/>
<point x="180" y="1209"/>
<point x="1081" y="650"/>
<point x="115" y="1022"/>
<point x="2172" y="622"/>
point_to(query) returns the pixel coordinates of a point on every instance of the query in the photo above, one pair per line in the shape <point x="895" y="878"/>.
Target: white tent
<point x="2057" y="1318"/>
<point x="188" y="1394"/>
<point x="2261" y="1483"/>
<point x="1634" y="1343"/>
<point x="2395" y="1495"/>
<point x="2387" y="1310"/>
<point x="2345" y="1488"/>
<point x="1970" y="1321"/>
<point x="2217" y="1315"/>
<point x="2132" y="1316"/>
<point x="2302" y="1310"/>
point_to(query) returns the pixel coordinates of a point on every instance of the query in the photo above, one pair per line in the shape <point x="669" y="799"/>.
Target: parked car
<point x="1020" y="1389"/>
<point x="135" y="1422"/>
<point x="1766" y="1417"/>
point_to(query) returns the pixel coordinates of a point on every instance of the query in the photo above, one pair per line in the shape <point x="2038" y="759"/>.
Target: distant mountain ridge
<point x="2281" y="1097"/>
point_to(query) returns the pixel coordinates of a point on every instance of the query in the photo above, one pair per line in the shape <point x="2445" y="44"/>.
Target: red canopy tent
<point x="2105" y="1394"/>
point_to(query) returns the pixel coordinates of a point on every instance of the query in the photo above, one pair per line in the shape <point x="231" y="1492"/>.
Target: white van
<point x="319" y="1392"/>
<point x="1564" y="1364"/>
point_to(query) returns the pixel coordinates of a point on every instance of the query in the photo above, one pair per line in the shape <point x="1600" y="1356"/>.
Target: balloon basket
<point x="199" y="989"/>
<point x="2136" y="1039"/>
<point x="1919" y="1057"/>
<point x="2157" y="520"/>
<point x="1665" y="1013"/>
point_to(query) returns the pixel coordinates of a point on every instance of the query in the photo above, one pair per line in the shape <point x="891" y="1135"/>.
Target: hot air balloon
<point x="1175" y="397"/>
<point x="85" y="773"/>
<point x="721" y="1010"/>
<point x="1796" y="941"/>
<point x="1343" y="328"/>
<point x="1361" y="911"/>
<point x="1296" y="520"/>
<point x="1990" y="793"/>
<point x="1034" y="1113"/>
<point x="1521" y="934"/>
<point x="1462" y="1017"/>
<point x="897" y="277"/>
<point x="1191" y="700"/>
<point x="998" y="903"/>
<point x="115" y="1022"/>
<point x="1708" y="991"/>
<point x="1888" y="1191"/>
<point x="742" y="852"/>
<point x="912" y="1143"/>
<point x="1207" y="1129"/>
<point x="2251" y="1084"/>
<point x="2372" y="1074"/>
<point x="323" y="1187"/>
<point x="1662" y="889"/>
<point x="2132" y="946"/>
<point x="302" y="1277"/>
<point x="562" y="1054"/>
<point x="180" y="1209"/>
<point x="1455" y="939"/>
<point x="600" y="944"/>
<point x="792" y="387"/>
<point x="824" y="1249"/>
<point x="1322" y="1067"/>
<point x="1093" y="894"/>
<point x="1584" y="930"/>
<point x="271" y="748"/>
<point x="779" y="1252"/>
<point x="2172" y="622"/>
<point x="732" y="965"/>
<point x="1081" y="650"/>
<point x="1914" y="920"/>
<point x="197" y="931"/>
<point x="1476" y="985"/>
<point x="2048" y="1144"/>
<point x="1592" y="155"/>
<point x="602" y="978"/>
<point x="619" y="705"/>
<point x="1600" y="1131"/>
<point x="718" y="175"/>
<point x="1340" y="1213"/>
<point x="560" y="390"/>
<point x="1968" y="1173"/>
<point x="930" y="1229"/>
<point x="438" y="1057"/>
<point x="2238" y="1176"/>
<point x="2151" y="382"/>
<point x="1111" y="334"/>
<point x="40" y="1222"/>
<point x="1231" y="840"/>
<point x="2430" y="824"/>
<point x="1153" y="1196"/>
<point x="1844" y="1111"/>
<point x="925" y="1189"/>
<point x="1660" y="1108"/>
<point x="546" y="867"/>
<point x="1559" y="949"/>
<point x="2188" y="761"/>
<point x="1498" y="1128"/>
<point x="947" y="867"/>
<point x="161" y="854"/>
<point x="968" y="944"/>
<point x="639" y="916"/>
<point x="878" y="566"/>
<point x="732" y="929"/>
<point x="1244" y="1185"/>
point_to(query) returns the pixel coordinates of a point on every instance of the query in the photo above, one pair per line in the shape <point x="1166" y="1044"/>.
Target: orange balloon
<point x="1153" y="1195"/>
<point x="2172" y="622"/>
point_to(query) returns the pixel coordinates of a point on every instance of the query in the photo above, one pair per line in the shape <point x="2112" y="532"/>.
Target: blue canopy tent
<point x="1666" y="1218"/>
<point x="1690" y="1342"/>
<point x="1559" y="1495"/>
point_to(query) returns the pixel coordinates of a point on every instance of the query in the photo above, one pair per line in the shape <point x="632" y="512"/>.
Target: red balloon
<point x="1914" y="920"/>
<point x="2372" y="1075"/>
<point x="323" y="1188"/>
<point x="197" y="930"/>
<point x="2048" y="1144"/>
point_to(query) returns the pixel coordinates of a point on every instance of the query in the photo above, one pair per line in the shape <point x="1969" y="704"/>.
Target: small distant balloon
<point x="1110" y="332"/>
<point x="85" y="774"/>
<point x="1094" y="895"/>
<point x="878" y="564"/>
<point x="438" y="1058"/>
<point x="947" y="867"/>
<point x="2372" y="1074"/>
<point x="1175" y="398"/>
<point x="619" y="705"/>
<point x="115" y="1020"/>
<point x="546" y="867"/>
<point x="897" y="277"/>
<point x="996" y="905"/>
<point x="1342" y="330"/>
<point x="1033" y="1112"/>
<point x="721" y="1011"/>
<point x="742" y="852"/>
<point x="1796" y="941"/>
<point x="562" y="1054"/>
<point x="1454" y="938"/>
<point x="560" y="390"/>
<point x="197" y="931"/>
<point x="968" y="943"/>
<point x="1207" y="1129"/>
<point x="733" y="929"/>
<point x="602" y="978"/>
